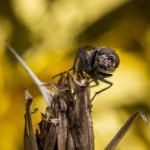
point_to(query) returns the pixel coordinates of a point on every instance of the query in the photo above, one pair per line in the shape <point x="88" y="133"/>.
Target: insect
<point x="98" y="62"/>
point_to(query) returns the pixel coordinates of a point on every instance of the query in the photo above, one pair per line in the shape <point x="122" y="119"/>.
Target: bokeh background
<point x="47" y="34"/>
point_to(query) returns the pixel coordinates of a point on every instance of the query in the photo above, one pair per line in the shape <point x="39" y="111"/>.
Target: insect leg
<point x="62" y="73"/>
<point x="95" y="81"/>
<point x="92" y="58"/>
<point x="81" y="55"/>
<point x="105" y="81"/>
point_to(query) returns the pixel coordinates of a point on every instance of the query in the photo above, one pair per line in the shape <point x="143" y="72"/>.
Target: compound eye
<point x="105" y="50"/>
<point x="112" y="56"/>
<point x="116" y="60"/>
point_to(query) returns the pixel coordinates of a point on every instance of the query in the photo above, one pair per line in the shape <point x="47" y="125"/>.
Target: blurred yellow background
<point x="47" y="34"/>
